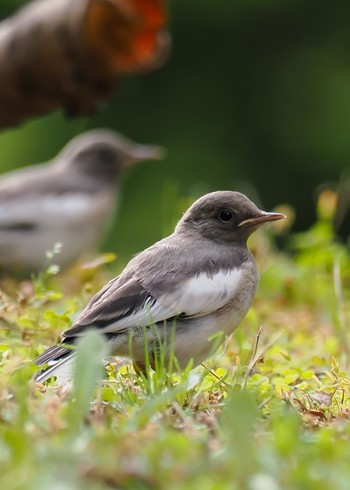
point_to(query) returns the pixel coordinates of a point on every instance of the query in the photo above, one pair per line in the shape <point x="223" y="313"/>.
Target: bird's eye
<point x="225" y="216"/>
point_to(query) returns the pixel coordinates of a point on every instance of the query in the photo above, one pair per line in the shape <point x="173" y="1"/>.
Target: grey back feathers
<point x="69" y="200"/>
<point x="202" y="276"/>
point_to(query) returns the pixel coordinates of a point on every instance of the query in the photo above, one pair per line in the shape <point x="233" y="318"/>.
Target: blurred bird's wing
<point x="31" y="212"/>
<point x="42" y="196"/>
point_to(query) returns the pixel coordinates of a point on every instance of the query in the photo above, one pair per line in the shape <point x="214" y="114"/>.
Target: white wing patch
<point x="52" y="211"/>
<point x="204" y="294"/>
<point x="68" y="203"/>
<point x="45" y="208"/>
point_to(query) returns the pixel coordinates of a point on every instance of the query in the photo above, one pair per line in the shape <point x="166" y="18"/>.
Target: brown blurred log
<point x="70" y="53"/>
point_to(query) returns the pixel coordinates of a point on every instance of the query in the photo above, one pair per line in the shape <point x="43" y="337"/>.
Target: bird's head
<point x="225" y="217"/>
<point x="104" y="154"/>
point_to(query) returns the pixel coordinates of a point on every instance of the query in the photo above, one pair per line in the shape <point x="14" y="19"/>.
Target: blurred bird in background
<point x="67" y="200"/>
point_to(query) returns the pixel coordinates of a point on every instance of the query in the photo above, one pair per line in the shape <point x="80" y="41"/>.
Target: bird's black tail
<point x="59" y="361"/>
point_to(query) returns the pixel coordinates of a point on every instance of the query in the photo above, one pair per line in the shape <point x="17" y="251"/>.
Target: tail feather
<point x="52" y="354"/>
<point x="60" y="364"/>
<point x="61" y="368"/>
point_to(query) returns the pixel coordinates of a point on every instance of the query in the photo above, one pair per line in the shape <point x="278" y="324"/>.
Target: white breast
<point x="192" y="339"/>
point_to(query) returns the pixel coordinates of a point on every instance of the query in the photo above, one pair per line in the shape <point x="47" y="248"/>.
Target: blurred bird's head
<point x="104" y="154"/>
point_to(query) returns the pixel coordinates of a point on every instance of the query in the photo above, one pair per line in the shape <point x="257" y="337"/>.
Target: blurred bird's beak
<point x="140" y="153"/>
<point x="262" y="218"/>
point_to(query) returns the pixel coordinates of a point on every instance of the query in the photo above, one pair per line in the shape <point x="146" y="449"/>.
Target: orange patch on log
<point x="127" y="34"/>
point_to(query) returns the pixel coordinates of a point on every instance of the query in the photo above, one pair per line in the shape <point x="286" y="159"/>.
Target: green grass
<point x="270" y="410"/>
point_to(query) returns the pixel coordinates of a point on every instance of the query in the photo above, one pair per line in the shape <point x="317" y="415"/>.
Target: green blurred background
<point x="255" y="97"/>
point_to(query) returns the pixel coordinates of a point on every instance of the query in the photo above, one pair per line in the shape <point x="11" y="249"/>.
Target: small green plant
<point x="42" y="292"/>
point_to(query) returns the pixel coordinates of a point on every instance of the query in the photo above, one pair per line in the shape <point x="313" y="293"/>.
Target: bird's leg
<point x="143" y="367"/>
<point x="140" y="368"/>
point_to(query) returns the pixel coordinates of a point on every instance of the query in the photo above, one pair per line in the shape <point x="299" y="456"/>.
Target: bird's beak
<point x="139" y="153"/>
<point x="262" y="218"/>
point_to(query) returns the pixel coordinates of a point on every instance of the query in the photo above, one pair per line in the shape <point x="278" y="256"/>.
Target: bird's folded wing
<point x="121" y="306"/>
<point x="40" y="196"/>
<point x="32" y="211"/>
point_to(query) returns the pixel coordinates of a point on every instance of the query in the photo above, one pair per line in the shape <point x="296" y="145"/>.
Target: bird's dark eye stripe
<point x="225" y="215"/>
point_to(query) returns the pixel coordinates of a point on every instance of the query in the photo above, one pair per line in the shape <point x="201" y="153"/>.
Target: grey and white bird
<point x="68" y="200"/>
<point x="201" y="280"/>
